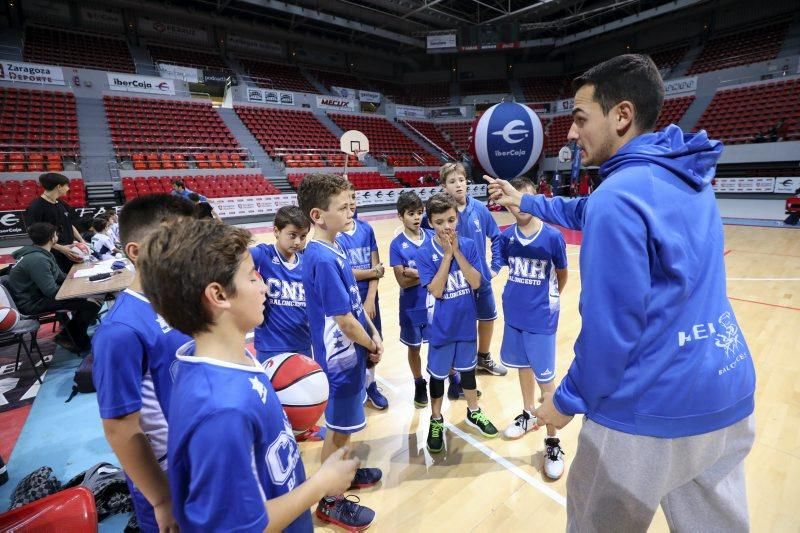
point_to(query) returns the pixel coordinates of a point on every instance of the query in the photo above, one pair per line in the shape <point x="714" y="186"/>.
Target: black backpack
<point x="83" y="378"/>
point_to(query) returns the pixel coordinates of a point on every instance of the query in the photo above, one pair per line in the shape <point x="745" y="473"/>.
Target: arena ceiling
<point x="404" y="24"/>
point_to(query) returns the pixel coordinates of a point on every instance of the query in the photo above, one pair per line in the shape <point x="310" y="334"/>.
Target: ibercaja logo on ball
<point x="508" y="140"/>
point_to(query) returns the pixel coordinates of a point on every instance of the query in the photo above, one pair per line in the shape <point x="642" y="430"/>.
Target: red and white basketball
<point x="8" y="318"/>
<point x="301" y="385"/>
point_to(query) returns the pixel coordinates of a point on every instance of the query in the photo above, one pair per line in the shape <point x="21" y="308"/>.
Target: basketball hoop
<point x="360" y="154"/>
<point x="355" y="143"/>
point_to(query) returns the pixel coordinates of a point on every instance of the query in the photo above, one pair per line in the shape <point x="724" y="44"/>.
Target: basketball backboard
<point x="353" y="142"/>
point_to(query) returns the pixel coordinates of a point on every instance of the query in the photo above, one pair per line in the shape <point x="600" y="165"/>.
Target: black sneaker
<point x="420" y="393"/>
<point x="454" y="390"/>
<point x="479" y="421"/>
<point x="345" y="512"/>
<point x="366" y="477"/>
<point x="436" y="435"/>
<point x="487" y="364"/>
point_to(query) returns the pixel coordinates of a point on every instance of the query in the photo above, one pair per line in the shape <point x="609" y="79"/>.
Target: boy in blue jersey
<point x="476" y="222"/>
<point x="449" y="268"/>
<point x="413" y="312"/>
<point x="536" y="257"/>
<point x="133" y="350"/>
<point x="342" y="335"/>
<point x="358" y="240"/>
<point x="285" y="326"/>
<point x="233" y="462"/>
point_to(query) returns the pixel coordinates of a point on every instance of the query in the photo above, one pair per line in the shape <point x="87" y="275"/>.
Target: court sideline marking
<point x="494" y="456"/>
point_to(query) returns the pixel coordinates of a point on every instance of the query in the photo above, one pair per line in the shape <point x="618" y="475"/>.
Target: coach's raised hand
<point x="502" y="192"/>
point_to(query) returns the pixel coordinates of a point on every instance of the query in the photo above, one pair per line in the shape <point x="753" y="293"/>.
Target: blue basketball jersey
<point x="359" y="243"/>
<point x="331" y="290"/>
<point x="451" y="318"/>
<point x="285" y="326"/>
<point x="530" y="297"/>
<point x="231" y="447"/>
<point x="403" y="252"/>
<point x="133" y="350"/>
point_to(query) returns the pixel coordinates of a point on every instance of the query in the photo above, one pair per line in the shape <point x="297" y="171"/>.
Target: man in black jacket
<point x="34" y="282"/>
<point x="49" y="208"/>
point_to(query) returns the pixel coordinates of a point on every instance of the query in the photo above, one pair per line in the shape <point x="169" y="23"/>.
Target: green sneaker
<point x="436" y="435"/>
<point x="479" y="421"/>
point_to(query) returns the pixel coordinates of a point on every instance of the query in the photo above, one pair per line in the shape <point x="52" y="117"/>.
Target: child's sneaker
<point x="312" y="434"/>
<point x="376" y="397"/>
<point x="487" y="364"/>
<point x="436" y="435"/>
<point x="479" y="421"/>
<point x="524" y="423"/>
<point x="553" y="458"/>
<point x="420" y="393"/>
<point x="345" y="512"/>
<point x="366" y="477"/>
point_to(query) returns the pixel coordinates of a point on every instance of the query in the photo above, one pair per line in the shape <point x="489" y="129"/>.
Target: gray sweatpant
<point x="618" y="480"/>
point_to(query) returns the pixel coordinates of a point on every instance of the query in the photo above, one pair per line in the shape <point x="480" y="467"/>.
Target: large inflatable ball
<point x="508" y="140"/>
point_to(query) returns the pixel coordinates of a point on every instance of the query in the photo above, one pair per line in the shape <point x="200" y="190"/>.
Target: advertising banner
<point x="407" y="111"/>
<point x="237" y="42"/>
<point x="735" y="185"/>
<point x="269" y="96"/>
<point x="369" y="97"/>
<point x="787" y="185"/>
<point x="140" y="84"/>
<point x="344" y="92"/>
<point x="12" y="223"/>
<point x="161" y="28"/>
<point x="103" y="17"/>
<point x="680" y="86"/>
<point x="31" y="73"/>
<point x="441" y="41"/>
<point x="189" y="74"/>
<point x="336" y="104"/>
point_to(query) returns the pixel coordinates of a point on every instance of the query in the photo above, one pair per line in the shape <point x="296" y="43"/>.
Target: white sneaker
<point x="553" y="458"/>
<point x="522" y="424"/>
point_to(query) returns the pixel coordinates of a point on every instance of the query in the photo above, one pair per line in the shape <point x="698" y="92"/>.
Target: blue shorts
<point x="461" y="356"/>
<point x="143" y="510"/>
<point x="484" y="299"/>
<point x="377" y="320"/>
<point x="412" y="335"/>
<point x="345" y="414"/>
<point x="263" y="356"/>
<point x="537" y="351"/>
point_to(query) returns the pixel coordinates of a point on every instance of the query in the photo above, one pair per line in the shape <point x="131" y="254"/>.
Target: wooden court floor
<point x="481" y="484"/>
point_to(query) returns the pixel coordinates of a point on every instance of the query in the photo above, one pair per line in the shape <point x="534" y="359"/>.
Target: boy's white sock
<point x="370" y="376"/>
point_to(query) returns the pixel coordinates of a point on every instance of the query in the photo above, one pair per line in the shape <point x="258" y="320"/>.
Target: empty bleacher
<point x="741" y="47"/>
<point x="543" y="89"/>
<point x="425" y="94"/>
<point x="473" y="87"/>
<point x="37" y="129"/>
<point x="672" y="111"/>
<point x="555" y="136"/>
<point x="386" y="141"/>
<point x="667" y="58"/>
<point x="72" y="49"/>
<point x="297" y="137"/>
<point x="360" y="180"/>
<point x="165" y="134"/>
<point x="188" y="58"/>
<point x="276" y="76"/>
<point x="338" y="79"/>
<point x="215" y="186"/>
<point x="434" y="135"/>
<point x="458" y="133"/>
<point x="736" y="115"/>
<point x="18" y="194"/>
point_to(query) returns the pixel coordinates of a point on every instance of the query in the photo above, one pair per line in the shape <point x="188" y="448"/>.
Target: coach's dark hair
<point x="291" y="214"/>
<point x="51" y="180"/>
<point x="408" y="201"/>
<point x="631" y="77"/>
<point x="144" y="214"/>
<point x="179" y="183"/>
<point x="439" y="203"/>
<point x="522" y="183"/>
<point x="178" y="261"/>
<point x="41" y="233"/>
<point x="316" y="190"/>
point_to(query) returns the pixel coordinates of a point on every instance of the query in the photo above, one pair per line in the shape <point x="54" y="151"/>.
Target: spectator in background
<point x="103" y="246"/>
<point x="179" y="189"/>
<point x="35" y="280"/>
<point x="794" y="215"/>
<point x="584" y="188"/>
<point x="51" y="209"/>
<point x="203" y="208"/>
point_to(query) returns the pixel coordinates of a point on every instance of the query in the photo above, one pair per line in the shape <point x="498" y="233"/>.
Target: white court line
<point x="499" y="459"/>
<point x="508" y="465"/>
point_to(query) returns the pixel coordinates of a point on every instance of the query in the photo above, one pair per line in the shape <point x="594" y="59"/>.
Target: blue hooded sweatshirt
<point x="660" y="352"/>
